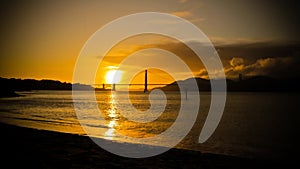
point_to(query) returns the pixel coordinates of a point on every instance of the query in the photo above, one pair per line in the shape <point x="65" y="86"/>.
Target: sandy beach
<point x="25" y="147"/>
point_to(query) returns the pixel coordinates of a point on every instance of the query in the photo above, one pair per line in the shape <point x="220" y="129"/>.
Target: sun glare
<point x="113" y="76"/>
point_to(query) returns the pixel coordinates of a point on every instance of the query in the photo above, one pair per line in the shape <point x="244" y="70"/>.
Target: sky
<point x="42" y="39"/>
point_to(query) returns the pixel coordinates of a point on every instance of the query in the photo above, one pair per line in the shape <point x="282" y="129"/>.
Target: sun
<point x="113" y="76"/>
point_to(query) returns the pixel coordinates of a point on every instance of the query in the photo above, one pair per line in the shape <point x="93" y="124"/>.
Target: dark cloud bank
<point x="278" y="60"/>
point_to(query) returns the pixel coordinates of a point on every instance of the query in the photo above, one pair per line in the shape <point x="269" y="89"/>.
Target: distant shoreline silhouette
<point x="12" y="85"/>
<point x="251" y="84"/>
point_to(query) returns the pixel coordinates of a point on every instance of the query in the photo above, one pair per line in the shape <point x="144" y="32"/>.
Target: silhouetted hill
<point x="251" y="84"/>
<point x="203" y="84"/>
<point x="9" y="86"/>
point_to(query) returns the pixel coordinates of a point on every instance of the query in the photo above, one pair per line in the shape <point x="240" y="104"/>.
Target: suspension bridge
<point x="112" y="86"/>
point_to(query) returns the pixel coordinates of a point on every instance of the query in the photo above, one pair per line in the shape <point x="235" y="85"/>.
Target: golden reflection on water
<point x="118" y="125"/>
<point x="112" y="123"/>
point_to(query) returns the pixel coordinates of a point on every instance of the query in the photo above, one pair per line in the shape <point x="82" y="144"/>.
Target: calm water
<point x="253" y="124"/>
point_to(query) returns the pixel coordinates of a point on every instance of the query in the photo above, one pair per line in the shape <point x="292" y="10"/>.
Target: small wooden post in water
<point x="114" y="87"/>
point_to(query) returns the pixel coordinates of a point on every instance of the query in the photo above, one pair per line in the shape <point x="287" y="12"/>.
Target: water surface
<point x="253" y="124"/>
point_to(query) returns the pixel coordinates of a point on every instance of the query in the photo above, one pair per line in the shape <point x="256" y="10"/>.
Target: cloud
<point x="183" y="1"/>
<point x="237" y="63"/>
<point x="203" y="73"/>
<point x="273" y="67"/>
<point x="264" y="58"/>
<point x="183" y="14"/>
<point x="187" y="15"/>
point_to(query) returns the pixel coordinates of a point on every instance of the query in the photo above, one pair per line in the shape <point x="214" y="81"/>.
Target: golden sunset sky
<point x="42" y="39"/>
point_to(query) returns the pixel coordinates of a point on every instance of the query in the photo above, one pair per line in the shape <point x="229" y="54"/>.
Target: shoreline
<point x="35" y="148"/>
<point x="8" y="94"/>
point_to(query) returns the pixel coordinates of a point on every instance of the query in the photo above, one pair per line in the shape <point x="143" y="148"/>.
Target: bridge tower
<point x="146" y="82"/>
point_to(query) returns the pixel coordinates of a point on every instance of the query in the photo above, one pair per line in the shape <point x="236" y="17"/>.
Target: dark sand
<point x="31" y="148"/>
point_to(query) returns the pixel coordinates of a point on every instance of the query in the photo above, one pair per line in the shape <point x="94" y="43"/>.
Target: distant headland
<point x="10" y="86"/>
<point x="248" y="84"/>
